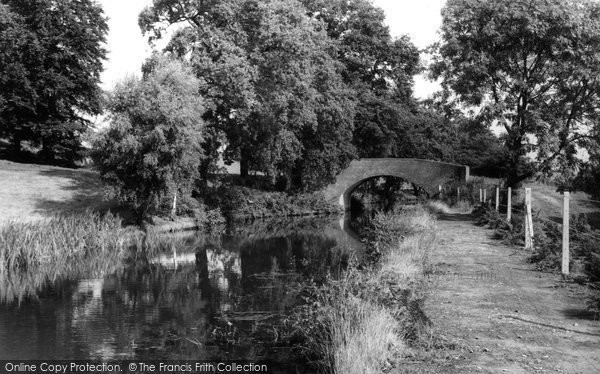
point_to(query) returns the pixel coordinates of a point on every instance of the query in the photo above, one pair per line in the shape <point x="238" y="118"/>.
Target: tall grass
<point x="365" y="337"/>
<point x="357" y="324"/>
<point x="85" y="244"/>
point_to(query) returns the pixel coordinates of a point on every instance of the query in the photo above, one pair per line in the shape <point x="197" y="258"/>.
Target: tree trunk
<point x="244" y="167"/>
<point x="174" y="208"/>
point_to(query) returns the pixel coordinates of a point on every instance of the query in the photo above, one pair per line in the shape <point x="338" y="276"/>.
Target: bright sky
<point x="128" y="48"/>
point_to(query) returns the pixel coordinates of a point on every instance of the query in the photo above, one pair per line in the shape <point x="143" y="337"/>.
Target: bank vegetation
<point x="367" y="321"/>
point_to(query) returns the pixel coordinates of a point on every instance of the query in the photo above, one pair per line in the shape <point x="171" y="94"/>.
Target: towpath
<point x="496" y="314"/>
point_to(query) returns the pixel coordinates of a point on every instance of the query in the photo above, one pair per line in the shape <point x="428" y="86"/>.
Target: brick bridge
<point x="424" y="173"/>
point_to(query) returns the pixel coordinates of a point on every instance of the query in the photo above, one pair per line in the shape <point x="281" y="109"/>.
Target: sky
<point x="128" y="48"/>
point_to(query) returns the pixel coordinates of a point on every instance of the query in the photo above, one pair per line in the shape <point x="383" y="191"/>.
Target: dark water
<point x="222" y="297"/>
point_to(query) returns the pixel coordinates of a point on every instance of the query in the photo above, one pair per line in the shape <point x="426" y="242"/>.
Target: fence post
<point x="440" y="189"/>
<point x="497" y="198"/>
<point x="508" y="203"/>
<point x="565" y="234"/>
<point x="485" y="195"/>
<point x="528" y="220"/>
<point x="480" y="196"/>
<point x="457" y="194"/>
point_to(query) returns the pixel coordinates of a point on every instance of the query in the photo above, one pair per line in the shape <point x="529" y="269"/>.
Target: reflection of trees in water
<point x="223" y="294"/>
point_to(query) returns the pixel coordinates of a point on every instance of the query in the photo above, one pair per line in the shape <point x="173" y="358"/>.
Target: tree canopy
<point x="532" y="66"/>
<point x="379" y="68"/>
<point x="51" y="56"/>
<point x="277" y="98"/>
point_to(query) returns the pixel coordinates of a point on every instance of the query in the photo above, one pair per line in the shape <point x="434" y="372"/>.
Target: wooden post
<point x="457" y="194"/>
<point x="528" y="220"/>
<point x="497" y="198"/>
<point x="480" y="196"/>
<point x="485" y="195"/>
<point x="440" y="189"/>
<point x="509" y="207"/>
<point x="565" y="234"/>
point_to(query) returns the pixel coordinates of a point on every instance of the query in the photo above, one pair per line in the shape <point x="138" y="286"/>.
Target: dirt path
<point x="500" y="314"/>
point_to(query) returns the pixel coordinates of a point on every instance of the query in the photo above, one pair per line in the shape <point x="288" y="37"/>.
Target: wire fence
<point x="511" y="202"/>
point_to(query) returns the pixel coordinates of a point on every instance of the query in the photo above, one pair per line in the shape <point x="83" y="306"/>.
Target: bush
<point x="152" y="150"/>
<point x="237" y="201"/>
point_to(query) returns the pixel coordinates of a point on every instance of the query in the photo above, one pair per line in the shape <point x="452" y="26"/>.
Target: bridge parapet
<point x="424" y="173"/>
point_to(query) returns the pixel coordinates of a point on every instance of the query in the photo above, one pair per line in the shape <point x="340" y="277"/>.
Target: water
<point x="215" y="297"/>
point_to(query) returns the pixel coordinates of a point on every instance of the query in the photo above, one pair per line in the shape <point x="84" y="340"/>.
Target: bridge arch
<point x="424" y="173"/>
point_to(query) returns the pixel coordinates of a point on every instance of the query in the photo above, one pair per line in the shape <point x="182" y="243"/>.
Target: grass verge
<point x="364" y="322"/>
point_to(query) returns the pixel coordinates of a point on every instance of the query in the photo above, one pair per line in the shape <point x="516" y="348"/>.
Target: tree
<point x="50" y="66"/>
<point x="379" y="68"/>
<point x="278" y="97"/>
<point x="532" y="66"/>
<point x="151" y="152"/>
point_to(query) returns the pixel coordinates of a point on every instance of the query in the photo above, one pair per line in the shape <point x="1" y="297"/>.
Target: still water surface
<point x="214" y="297"/>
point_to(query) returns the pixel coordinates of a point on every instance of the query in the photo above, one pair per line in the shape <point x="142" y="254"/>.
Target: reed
<point x="86" y="245"/>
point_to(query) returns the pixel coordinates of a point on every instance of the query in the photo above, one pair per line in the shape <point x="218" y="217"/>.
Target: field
<point x="548" y="203"/>
<point x="31" y="192"/>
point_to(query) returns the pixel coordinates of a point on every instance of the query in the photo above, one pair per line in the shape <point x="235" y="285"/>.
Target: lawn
<point x="31" y="192"/>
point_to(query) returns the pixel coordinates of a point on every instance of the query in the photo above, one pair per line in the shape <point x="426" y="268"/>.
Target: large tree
<point x="270" y="73"/>
<point x="378" y="67"/>
<point x="151" y="152"/>
<point x="50" y="62"/>
<point x="533" y="66"/>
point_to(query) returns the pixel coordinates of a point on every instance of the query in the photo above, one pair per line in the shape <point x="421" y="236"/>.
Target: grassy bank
<point x="365" y="322"/>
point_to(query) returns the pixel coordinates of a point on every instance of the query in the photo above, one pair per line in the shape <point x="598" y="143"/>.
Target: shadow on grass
<point x="86" y="193"/>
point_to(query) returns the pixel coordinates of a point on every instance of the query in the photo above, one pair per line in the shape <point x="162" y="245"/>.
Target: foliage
<point x="278" y="102"/>
<point x="50" y="63"/>
<point x="531" y="66"/>
<point x="588" y="177"/>
<point x="152" y="150"/>
<point x="379" y="68"/>
<point x="243" y="202"/>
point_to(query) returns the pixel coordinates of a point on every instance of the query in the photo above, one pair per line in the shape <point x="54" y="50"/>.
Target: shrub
<point x="152" y="150"/>
<point x="242" y="201"/>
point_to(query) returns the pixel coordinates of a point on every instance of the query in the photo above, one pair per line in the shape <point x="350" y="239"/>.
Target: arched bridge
<point x="424" y="173"/>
